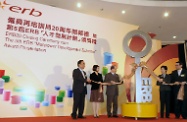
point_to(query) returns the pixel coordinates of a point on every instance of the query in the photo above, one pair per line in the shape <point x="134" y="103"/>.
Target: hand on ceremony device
<point x="183" y="83"/>
<point x="121" y="82"/>
<point x="88" y="80"/>
<point x="116" y="83"/>
<point x="171" y="84"/>
<point x="164" y="83"/>
<point x="97" y="82"/>
<point x="159" y="79"/>
<point x="106" y="84"/>
<point x="100" y="82"/>
<point x="113" y="82"/>
<point x="134" y="66"/>
<point x="143" y="64"/>
<point x="176" y="83"/>
<point x="123" y="79"/>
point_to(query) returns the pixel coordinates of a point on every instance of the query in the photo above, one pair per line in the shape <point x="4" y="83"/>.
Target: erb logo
<point x="21" y="10"/>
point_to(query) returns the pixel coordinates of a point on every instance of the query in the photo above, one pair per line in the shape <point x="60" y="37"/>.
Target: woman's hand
<point x="164" y="83"/>
<point x="159" y="79"/>
<point x="99" y="82"/>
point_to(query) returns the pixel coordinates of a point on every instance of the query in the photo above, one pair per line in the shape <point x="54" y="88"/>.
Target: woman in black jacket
<point x="96" y="93"/>
<point x="165" y="90"/>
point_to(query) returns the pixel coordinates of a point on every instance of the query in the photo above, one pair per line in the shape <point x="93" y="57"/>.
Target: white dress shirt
<point x="83" y="75"/>
<point x="179" y="72"/>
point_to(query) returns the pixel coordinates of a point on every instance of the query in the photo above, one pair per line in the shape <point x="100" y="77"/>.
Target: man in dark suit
<point x="79" y="90"/>
<point x="165" y="91"/>
<point x="179" y="78"/>
<point x="112" y="91"/>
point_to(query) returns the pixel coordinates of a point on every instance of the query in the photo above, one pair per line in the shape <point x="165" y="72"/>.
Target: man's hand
<point x="122" y="82"/>
<point x="123" y="79"/>
<point x="113" y="82"/>
<point x="88" y="80"/>
<point x="183" y="83"/>
<point x="106" y="84"/>
<point x="177" y="83"/>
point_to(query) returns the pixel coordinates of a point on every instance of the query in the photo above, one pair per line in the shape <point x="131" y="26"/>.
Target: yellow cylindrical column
<point x="139" y="110"/>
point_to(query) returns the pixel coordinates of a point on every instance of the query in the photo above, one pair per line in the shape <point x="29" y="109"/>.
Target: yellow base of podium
<point x="139" y="110"/>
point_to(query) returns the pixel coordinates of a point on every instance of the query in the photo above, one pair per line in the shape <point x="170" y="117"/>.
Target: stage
<point x="88" y="118"/>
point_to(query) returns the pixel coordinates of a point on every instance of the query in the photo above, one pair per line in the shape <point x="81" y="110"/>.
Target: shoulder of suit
<point x="93" y="73"/>
<point x="184" y="70"/>
<point x="174" y="71"/>
<point x="76" y="69"/>
<point x="108" y="74"/>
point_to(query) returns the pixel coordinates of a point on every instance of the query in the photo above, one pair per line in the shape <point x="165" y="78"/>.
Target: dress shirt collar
<point x="81" y="69"/>
<point x="179" y="70"/>
<point x="163" y="75"/>
<point x="112" y="73"/>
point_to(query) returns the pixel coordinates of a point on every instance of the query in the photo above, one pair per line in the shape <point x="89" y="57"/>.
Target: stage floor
<point x="88" y="118"/>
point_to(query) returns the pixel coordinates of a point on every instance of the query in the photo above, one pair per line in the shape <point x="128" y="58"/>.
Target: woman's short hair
<point x="164" y="67"/>
<point x="95" y="67"/>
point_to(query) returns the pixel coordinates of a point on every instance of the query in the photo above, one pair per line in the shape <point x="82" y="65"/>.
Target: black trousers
<point x="78" y="103"/>
<point x="112" y="99"/>
<point x="180" y="109"/>
<point x="164" y="102"/>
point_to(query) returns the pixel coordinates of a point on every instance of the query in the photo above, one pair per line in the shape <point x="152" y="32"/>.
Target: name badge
<point x="182" y="75"/>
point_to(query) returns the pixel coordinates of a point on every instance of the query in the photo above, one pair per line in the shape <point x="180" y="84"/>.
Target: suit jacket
<point x="96" y="78"/>
<point x="180" y="78"/>
<point x="79" y="81"/>
<point x="113" y="89"/>
<point x="166" y="79"/>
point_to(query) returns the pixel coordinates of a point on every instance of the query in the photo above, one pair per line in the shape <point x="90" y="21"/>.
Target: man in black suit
<point x="79" y="90"/>
<point x="179" y="78"/>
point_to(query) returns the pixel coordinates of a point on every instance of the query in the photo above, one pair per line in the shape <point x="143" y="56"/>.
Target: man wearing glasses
<point x="179" y="80"/>
<point x="79" y="90"/>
